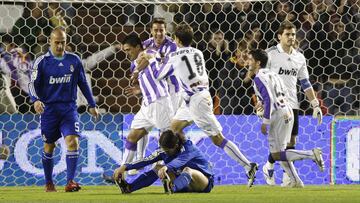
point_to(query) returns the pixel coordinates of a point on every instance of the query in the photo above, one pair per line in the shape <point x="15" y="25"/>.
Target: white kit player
<point x="188" y="65"/>
<point x="156" y="109"/>
<point x="278" y="117"/>
<point x="290" y="65"/>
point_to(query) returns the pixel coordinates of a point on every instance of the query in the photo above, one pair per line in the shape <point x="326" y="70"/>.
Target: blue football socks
<point x="144" y="180"/>
<point x="48" y="165"/>
<point x="71" y="163"/>
<point x="181" y="182"/>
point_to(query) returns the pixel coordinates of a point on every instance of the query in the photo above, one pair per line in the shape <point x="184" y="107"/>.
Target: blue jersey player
<point x="53" y="89"/>
<point x="185" y="168"/>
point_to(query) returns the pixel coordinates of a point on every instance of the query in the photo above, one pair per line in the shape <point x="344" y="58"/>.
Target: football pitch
<point x="233" y="193"/>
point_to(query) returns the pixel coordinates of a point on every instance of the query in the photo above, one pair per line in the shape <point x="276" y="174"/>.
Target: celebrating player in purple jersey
<point x="156" y="109"/>
<point x="164" y="45"/>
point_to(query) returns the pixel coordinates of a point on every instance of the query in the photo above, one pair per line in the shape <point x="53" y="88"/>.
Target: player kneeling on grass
<point x="278" y="117"/>
<point x="185" y="170"/>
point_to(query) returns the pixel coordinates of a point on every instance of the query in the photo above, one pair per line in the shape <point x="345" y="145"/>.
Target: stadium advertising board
<point x="102" y="145"/>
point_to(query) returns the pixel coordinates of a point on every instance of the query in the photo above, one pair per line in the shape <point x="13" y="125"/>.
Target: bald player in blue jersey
<point x="185" y="168"/>
<point x="53" y="89"/>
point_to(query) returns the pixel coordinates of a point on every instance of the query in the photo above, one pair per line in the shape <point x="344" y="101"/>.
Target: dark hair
<point x="184" y="33"/>
<point x="132" y="40"/>
<point x="285" y="25"/>
<point x="169" y="139"/>
<point x="260" y="55"/>
<point x="158" y="21"/>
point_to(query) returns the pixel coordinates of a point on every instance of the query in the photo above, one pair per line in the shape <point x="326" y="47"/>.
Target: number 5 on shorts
<point x="77" y="126"/>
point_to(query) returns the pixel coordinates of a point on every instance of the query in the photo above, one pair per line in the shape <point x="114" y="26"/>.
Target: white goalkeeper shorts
<point x="281" y="124"/>
<point x="201" y="111"/>
<point x="157" y="114"/>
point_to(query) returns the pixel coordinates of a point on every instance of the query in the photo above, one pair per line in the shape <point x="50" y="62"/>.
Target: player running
<point x="278" y="117"/>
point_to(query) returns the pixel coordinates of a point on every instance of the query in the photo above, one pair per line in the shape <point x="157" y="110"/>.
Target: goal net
<point x="328" y="36"/>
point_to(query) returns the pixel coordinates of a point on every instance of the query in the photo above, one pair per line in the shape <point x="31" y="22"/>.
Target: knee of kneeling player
<point x="187" y="170"/>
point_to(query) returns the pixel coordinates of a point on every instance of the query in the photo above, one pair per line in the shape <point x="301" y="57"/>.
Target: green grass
<point x="263" y="194"/>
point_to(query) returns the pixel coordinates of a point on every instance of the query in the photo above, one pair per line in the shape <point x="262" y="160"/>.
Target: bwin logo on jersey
<point x="59" y="80"/>
<point x="287" y="72"/>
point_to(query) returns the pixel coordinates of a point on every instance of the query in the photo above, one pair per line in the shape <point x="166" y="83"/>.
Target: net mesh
<point x="328" y="35"/>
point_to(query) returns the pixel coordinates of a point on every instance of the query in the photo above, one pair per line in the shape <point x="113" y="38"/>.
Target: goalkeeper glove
<point x="316" y="110"/>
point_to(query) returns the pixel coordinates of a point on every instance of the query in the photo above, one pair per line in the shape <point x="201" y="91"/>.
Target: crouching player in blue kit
<point x="185" y="170"/>
<point x="53" y="89"/>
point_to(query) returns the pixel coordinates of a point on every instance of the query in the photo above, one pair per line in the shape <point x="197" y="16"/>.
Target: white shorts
<point x="157" y="114"/>
<point x="201" y="111"/>
<point x="280" y="129"/>
<point x="176" y="100"/>
<point x="183" y="112"/>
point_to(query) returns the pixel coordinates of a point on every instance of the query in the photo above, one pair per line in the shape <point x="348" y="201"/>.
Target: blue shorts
<point x="59" y="120"/>
<point x="208" y="188"/>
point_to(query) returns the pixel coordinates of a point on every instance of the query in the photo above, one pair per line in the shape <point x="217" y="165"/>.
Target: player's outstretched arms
<point x="39" y="107"/>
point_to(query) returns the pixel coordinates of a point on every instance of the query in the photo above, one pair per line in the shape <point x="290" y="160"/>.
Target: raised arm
<point x="90" y="62"/>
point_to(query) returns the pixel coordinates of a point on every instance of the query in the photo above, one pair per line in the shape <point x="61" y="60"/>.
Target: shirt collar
<point x="55" y="57"/>
<point x="281" y="50"/>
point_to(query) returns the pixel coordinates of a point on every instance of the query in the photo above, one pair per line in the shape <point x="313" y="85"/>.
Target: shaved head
<point x="59" y="31"/>
<point x="58" y="42"/>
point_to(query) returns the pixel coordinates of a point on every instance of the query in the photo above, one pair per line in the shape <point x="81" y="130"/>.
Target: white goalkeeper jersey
<point x="188" y="65"/>
<point x="290" y="67"/>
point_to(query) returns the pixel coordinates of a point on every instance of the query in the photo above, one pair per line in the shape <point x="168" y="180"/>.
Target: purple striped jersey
<point x="167" y="47"/>
<point x="270" y="89"/>
<point x="17" y="67"/>
<point x="151" y="89"/>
